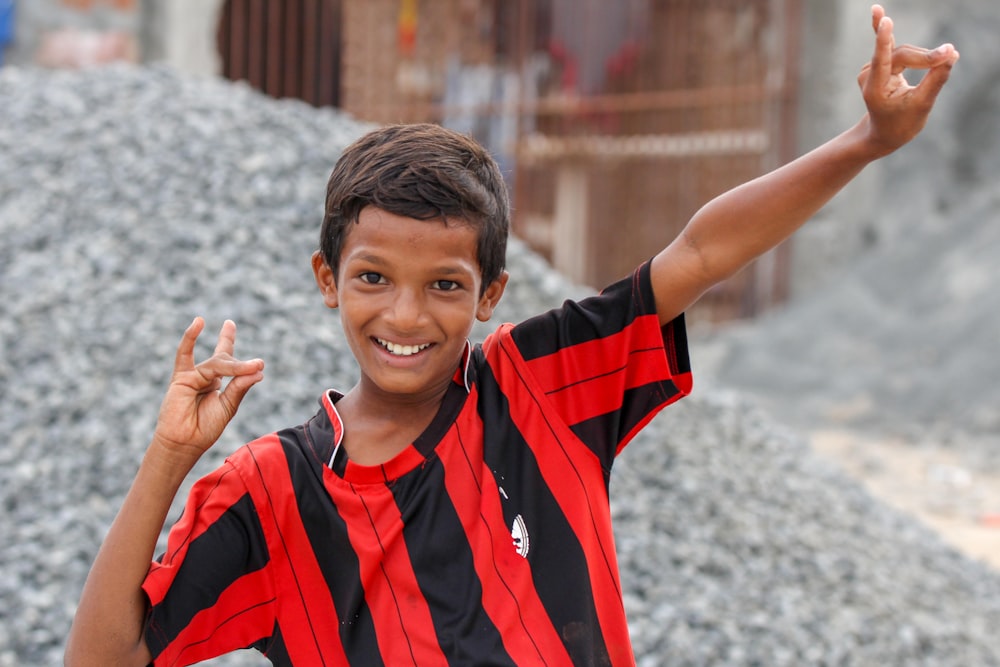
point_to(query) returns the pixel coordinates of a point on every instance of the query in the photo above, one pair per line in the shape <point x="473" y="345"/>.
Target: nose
<point x="407" y="310"/>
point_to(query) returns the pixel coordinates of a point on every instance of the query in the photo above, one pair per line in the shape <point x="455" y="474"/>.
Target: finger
<point x="184" y="358"/>
<point x="237" y="389"/>
<point x="227" y="338"/>
<point x="220" y="366"/>
<point x="881" y="65"/>
<point x="914" y="57"/>
<point x="933" y="82"/>
<point x="877" y="13"/>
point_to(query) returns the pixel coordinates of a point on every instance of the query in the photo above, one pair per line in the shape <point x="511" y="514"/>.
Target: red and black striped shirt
<point x="487" y="541"/>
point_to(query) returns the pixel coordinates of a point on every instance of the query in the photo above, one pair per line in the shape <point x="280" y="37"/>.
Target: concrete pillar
<point x="182" y="33"/>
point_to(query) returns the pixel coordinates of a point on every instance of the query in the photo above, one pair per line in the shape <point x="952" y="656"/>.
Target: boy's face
<point x="409" y="292"/>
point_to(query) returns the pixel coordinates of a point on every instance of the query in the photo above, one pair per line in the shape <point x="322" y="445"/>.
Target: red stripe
<point x="237" y="620"/>
<point x="306" y="615"/>
<point x="588" y="379"/>
<point x="576" y="403"/>
<point x="574" y="476"/>
<point x="509" y="595"/>
<point x="403" y="625"/>
<point x="399" y="465"/>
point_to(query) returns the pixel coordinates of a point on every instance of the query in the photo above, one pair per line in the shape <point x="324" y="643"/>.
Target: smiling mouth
<point x="401" y="350"/>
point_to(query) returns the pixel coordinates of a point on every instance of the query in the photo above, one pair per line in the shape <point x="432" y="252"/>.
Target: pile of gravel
<point x="132" y="200"/>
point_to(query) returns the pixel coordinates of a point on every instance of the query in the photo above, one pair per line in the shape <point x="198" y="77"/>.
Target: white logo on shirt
<point x="519" y="534"/>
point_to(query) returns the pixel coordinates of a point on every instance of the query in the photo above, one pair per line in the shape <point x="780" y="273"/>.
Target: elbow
<point x="711" y="263"/>
<point x="703" y="268"/>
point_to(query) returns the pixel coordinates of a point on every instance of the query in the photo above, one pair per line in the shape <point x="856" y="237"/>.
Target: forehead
<point x="383" y="236"/>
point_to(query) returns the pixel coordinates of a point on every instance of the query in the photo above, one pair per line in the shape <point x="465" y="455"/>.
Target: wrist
<point x="870" y="145"/>
<point x="170" y="458"/>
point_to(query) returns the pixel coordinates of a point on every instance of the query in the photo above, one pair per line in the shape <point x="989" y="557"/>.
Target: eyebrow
<point x="449" y="271"/>
<point x="371" y="259"/>
<point x="440" y="270"/>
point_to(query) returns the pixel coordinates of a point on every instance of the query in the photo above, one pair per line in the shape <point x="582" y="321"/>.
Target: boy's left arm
<point x="738" y="226"/>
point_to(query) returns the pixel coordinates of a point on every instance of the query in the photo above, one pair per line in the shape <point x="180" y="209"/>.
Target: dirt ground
<point x="933" y="484"/>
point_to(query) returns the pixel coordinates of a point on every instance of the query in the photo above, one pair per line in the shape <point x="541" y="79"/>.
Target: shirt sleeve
<point x="210" y="592"/>
<point x="604" y="363"/>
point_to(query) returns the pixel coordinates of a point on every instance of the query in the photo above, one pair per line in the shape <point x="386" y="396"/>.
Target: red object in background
<point x="124" y="5"/>
<point x="406" y="27"/>
<point x="72" y="48"/>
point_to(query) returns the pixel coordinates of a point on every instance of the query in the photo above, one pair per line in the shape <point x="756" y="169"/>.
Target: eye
<point x="446" y="285"/>
<point x="371" y="278"/>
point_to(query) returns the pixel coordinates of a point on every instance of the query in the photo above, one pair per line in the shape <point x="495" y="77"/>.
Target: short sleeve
<point x="605" y="364"/>
<point x="210" y="592"/>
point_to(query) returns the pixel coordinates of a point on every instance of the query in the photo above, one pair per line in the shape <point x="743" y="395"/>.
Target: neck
<point x="376" y="430"/>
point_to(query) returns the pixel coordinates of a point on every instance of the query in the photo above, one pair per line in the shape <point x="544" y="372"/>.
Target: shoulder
<point x="598" y="316"/>
<point x="271" y="456"/>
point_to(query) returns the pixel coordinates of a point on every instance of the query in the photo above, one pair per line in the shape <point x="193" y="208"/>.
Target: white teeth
<point x="402" y="350"/>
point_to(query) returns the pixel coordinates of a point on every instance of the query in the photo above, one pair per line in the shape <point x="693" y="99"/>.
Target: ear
<point x="325" y="279"/>
<point x="491" y="297"/>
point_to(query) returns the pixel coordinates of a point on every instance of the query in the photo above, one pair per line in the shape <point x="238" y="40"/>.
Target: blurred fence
<point x="614" y="121"/>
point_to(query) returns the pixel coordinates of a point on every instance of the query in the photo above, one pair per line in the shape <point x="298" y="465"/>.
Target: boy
<point x="451" y="508"/>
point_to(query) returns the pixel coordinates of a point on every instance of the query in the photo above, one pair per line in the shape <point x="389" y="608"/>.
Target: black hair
<point x="425" y="172"/>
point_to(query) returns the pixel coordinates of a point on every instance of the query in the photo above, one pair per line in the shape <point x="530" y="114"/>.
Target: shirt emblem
<point x="519" y="534"/>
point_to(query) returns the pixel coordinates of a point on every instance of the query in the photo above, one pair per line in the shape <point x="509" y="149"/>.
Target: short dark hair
<point x="425" y="172"/>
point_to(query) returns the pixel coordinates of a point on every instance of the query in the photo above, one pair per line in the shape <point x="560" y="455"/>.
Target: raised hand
<point x="197" y="407"/>
<point x="898" y="110"/>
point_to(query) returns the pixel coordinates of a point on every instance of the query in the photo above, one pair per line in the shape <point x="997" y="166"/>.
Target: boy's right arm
<point x="109" y="620"/>
<point x="741" y="224"/>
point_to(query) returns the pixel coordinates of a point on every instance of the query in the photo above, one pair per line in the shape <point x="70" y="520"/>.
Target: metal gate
<point x="285" y="48"/>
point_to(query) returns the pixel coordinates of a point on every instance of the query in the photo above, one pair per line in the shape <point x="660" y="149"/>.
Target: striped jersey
<point x="488" y="541"/>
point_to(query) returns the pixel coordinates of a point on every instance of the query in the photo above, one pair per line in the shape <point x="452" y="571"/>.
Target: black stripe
<point x="676" y="343"/>
<point x="328" y="539"/>
<point x="557" y="559"/>
<point x="233" y="546"/>
<point x="193" y="526"/>
<point x="275" y="649"/>
<point x="320" y="434"/>
<point x="588" y="319"/>
<point x="451" y="405"/>
<point x="442" y="561"/>
<point x="602" y="433"/>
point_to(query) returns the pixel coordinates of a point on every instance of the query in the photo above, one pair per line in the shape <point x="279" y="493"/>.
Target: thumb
<point x="236" y="390"/>
<point x="938" y="75"/>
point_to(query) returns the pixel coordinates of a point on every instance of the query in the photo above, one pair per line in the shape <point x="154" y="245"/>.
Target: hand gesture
<point x="197" y="408"/>
<point x="897" y="111"/>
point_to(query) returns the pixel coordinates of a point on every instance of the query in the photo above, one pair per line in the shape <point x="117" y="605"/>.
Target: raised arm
<point x="738" y="226"/>
<point x="107" y="629"/>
